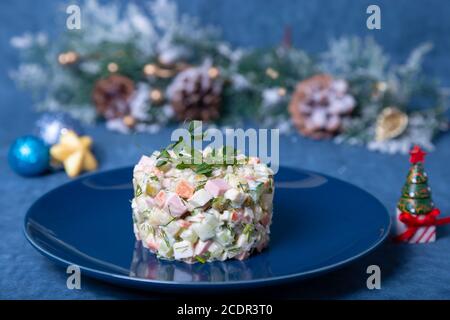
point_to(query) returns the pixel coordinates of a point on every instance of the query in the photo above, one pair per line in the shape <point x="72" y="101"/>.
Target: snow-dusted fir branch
<point x="138" y="40"/>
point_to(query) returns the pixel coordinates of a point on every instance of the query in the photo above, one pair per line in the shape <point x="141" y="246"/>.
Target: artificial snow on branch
<point x="125" y="62"/>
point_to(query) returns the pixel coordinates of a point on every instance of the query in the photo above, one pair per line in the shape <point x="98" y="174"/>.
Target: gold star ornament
<point x="74" y="153"/>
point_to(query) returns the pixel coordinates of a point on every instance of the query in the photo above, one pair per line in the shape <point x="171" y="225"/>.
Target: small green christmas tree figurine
<point x="416" y="194"/>
<point x="416" y="217"/>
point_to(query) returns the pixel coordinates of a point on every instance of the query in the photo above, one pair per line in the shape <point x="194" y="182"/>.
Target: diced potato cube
<point x="203" y="230"/>
<point x="158" y="217"/>
<point x="183" y="249"/>
<point x="200" y="198"/>
<point x="189" y="235"/>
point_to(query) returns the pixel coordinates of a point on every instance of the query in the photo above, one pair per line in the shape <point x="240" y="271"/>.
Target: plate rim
<point x="150" y="283"/>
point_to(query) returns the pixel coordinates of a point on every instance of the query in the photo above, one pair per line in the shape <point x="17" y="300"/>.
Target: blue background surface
<point x="408" y="272"/>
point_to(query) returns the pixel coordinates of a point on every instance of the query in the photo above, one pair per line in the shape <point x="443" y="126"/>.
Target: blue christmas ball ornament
<point x="29" y="156"/>
<point x="50" y="125"/>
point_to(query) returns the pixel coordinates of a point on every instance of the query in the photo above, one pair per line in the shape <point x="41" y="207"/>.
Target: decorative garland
<point x="143" y="69"/>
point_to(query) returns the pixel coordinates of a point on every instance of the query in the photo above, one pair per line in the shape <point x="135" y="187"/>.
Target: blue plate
<point x="319" y="224"/>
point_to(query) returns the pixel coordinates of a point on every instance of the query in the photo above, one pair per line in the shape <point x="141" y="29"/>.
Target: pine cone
<point x="319" y="105"/>
<point x="195" y="94"/>
<point x="111" y="94"/>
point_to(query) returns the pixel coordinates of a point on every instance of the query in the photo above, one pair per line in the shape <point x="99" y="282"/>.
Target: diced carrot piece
<point x="184" y="189"/>
<point x="237" y="215"/>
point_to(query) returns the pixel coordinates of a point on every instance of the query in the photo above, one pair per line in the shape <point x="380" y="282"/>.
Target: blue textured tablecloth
<point x="417" y="272"/>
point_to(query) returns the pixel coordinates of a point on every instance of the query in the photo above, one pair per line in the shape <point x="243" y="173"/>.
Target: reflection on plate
<point x="146" y="265"/>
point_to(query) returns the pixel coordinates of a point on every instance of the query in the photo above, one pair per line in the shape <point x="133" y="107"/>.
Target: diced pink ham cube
<point x="160" y="198"/>
<point x="262" y="244"/>
<point x="243" y="255"/>
<point x="145" y="164"/>
<point x="149" y="201"/>
<point x="146" y="161"/>
<point x="265" y="220"/>
<point x="175" y="206"/>
<point x="151" y="244"/>
<point x="216" y="187"/>
<point x="184" y="223"/>
<point x="166" y="183"/>
<point x="201" y="247"/>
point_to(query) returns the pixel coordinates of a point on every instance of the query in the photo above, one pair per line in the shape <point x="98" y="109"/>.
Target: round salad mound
<point x="205" y="212"/>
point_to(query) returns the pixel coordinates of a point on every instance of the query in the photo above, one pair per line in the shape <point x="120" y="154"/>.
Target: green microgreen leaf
<point x="203" y="168"/>
<point x="191" y="127"/>
<point x="175" y="144"/>
<point x="160" y="163"/>
<point x="164" y="154"/>
<point x="182" y="166"/>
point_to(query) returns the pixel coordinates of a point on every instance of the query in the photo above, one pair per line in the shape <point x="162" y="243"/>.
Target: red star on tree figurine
<point x="417" y="154"/>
